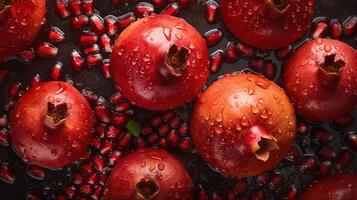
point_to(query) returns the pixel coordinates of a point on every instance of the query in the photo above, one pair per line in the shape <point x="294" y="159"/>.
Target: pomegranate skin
<point x="313" y="96"/>
<point x="20" y="23"/>
<point x="261" y="24"/>
<point x="51" y="147"/>
<point x="231" y="113"/>
<point x="166" y="176"/>
<point x="335" y="187"/>
<point x="138" y="62"/>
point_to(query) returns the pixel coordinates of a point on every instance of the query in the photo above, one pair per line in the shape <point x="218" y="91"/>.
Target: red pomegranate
<point x="51" y="125"/>
<point x="160" y="62"/>
<point x="321" y="79"/>
<point x="149" y="174"/>
<point x="243" y="124"/>
<point x="20" y="21"/>
<point x="335" y="187"/>
<point x="267" y="24"/>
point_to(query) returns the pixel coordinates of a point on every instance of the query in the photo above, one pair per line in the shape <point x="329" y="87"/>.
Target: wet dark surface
<point x="93" y="80"/>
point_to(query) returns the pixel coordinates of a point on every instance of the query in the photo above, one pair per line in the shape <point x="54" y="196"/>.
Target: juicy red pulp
<point x="147" y="188"/>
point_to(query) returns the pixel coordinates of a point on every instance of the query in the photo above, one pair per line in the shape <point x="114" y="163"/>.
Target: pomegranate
<point x="321" y="79"/>
<point x="51" y="125"/>
<point x="20" y="21"/>
<point x="335" y="187"/>
<point x="158" y="57"/>
<point x="148" y="174"/>
<point x="247" y="116"/>
<point x="267" y="24"/>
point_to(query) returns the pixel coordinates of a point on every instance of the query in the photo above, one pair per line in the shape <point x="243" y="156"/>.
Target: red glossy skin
<point x="138" y="55"/>
<point x="312" y="98"/>
<point x="258" y="23"/>
<point x="170" y="175"/>
<point x="20" y="23"/>
<point x="226" y="111"/>
<point x="37" y="144"/>
<point x="335" y="187"/>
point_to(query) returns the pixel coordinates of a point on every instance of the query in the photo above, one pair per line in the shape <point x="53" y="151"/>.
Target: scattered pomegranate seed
<point x="119" y="119"/>
<point x="35" y="80"/>
<point x="36" y="172"/>
<point x="326" y="153"/>
<point x="4" y="138"/>
<point x="270" y="69"/>
<point x="55" y="35"/>
<point x="231" y="52"/>
<point x="105" y="43"/>
<point x="114" y="157"/>
<point x="125" y="20"/>
<point x="213" y="37"/>
<point x="91" y="49"/>
<point x="246" y="51"/>
<point x="263" y="179"/>
<point x="124" y="140"/>
<point x="46" y="50"/>
<point x="61" y="7"/>
<point x="88" y="7"/>
<point x="215" y="61"/>
<point x="105" y="69"/>
<point x="351" y="140"/>
<point x="94" y="60"/>
<point x="320" y="27"/>
<point x="101" y="111"/>
<point x="335" y="29"/>
<point x="116" y="98"/>
<point x="325" y="168"/>
<point x="98" y="163"/>
<point x="87" y="38"/>
<point x="14" y="89"/>
<point x="6" y="173"/>
<point x="110" y="24"/>
<point x="302" y="128"/>
<point x="291" y="193"/>
<point x="350" y="25"/>
<point x="27" y="56"/>
<point x="343" y="121"/>
<point x="211" y="11"/>
<point x="76" y="7"/>
<point x="158" y="3"/>
<point x="344" y="159"/>
<point x="143" y="9"/>
<point x="171" y="9"/>
<point x="284" y="53"/>
<point x="77" y="62"/>
<point x="321" y="136"/>
<point x="79" y="21"/>
<point x="256" y="64"/>
<point x="97" y="23"/>
<point x="307" y="164"/>
<point x="89" y="95"/>
<point x="95" y="195"/>
<point x="56" y="71"/>
<point x="70" y="191"/>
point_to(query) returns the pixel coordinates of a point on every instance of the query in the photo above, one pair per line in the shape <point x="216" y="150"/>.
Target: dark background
<point x="92" y="79"/>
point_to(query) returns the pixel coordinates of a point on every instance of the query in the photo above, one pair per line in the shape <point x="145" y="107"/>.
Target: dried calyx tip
<point x="175" y="61"/>
<point x="277" y="8"/>
<point x="331" y="68"/>
<point x="56" y="115"/>
<point x="147" y="189"/>
<point x="261" y="142"/>
<point x="3" y="4"/>
<point x="280" y="4"/>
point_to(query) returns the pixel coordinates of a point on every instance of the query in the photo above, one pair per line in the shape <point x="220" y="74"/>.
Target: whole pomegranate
<point x="20" y="21"/>
<point x="160" y="62"/>
<point x="243" y="124"/>
<point x="148" y="174"/>
<point x="267" y="24"/>
<point x="321" y="79"/>
<point x="335" y="187"/>
<point x="51" y="125"/>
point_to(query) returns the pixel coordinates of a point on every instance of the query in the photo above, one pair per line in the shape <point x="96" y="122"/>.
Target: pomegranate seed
<point x="92" y="179"/>
<point x="270" y="69"/>
<point x="88" y="7"/>
<point x="124" y="140"/>
<point x="114" y="157"/>
<point x="168" y="115"/>
<point x="46" y="50"/>
<point x="182" y="131"/>
<point x="35" y="80"/>
<point x="98" y="163"/>
<point x="211" y="11"/>
<point x="101" y="130"/>
<point x="335" y="29"/>
<point x="70" y="191"/>
<point x="263" y="179"/>
<point x="164" y="129"/>
<point x="4" y="138"/>
<point x="13" y="89"/>
<point x="146" y="130"/>
<point x="87" y="168"/>
<point x="284" y="53"/>
<point x="350" y="25"/>
<point x="76" y="61"/>
<point x="77" y="178"/>
<point x="351" y="140"/>
<point x="105" y="43"/>
<point x="125" y="20"/>
<point x="156" y="121"/>
<point x="106" y="147"/>
<point x="302" y="128"/>
<point x="27" y="56"/>
<point x="87" y="38"/>
<point x="325" y="168"/>
<point x="97" y="193"/>
<point x="307" y="164"/>
<point x="36" y="172"/>
<point x="112" y="132"/>
<point x="85" y="189"/>
<point x="153" y="138"/>
<point x="326" y="153"/>
<point x="56" y="71"/>
<point x="172" y="138"/>
<point x="202" y="195"/>
<point x="259" y="195"/>
<point x="94" y="60"/>
<point x="163" y="143"/>
<point x="79" y="21"/>
<point x="140" y="142"/>
<point x="185" y="144"/>
<point x="246" y="51"/>
<point x="116" y="98"/>
<point x="344" y="159"/>
<point x="90" y="50"/>
<point x="61" y="7"/>
<point x="213" y="37"/>
<point x="9" y="105"/>
<point x="76" y="7"/>
<point x="231" y="52"/>
<point x="97" y="24"/>
<point x="276" y="180"/>
<point x="184" y="3"/>
<point x="174" y="122"/>
<point x="171" y="9"/>
<point x="101" y="111"/>
<point x="320" y="27"/>
<point x="89" y="95"/>
<point x="119" y="119"/>
<point x="158" y="3"/>
<point x="6" y="173"/>
<point x="215" y="61"/>
<point x="55" y="35"/>
<point x="106" y="69"/>
<point x="291" y="193"/>
<point x="143" y="9"/>
<point x="240" y="186"/>
<point x="110" y="24"/>
<point x="3" y="120"/>
<point x="321" y="136"/>
<point x="231" y="196"/>
<point x="257" y="64"/>
<point x="343" y="122"/>
<point x="95" y="143"/>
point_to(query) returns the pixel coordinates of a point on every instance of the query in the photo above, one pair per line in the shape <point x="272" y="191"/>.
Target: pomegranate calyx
<point x="56" y="115"/>
<point x="330" y="69"/>
<point x="147" y="189"/>
<point x="277" y="8"/>
<point x="261" y="142"/>
<point x="175" y="62"/>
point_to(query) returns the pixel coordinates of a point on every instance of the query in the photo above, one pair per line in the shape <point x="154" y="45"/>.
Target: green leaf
<point x="133" y="127"/>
